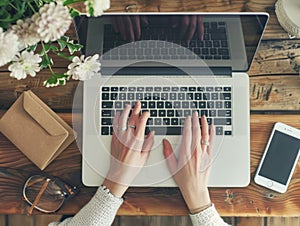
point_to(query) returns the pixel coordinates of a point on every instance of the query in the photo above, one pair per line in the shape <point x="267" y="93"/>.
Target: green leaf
<point x="73" y="47"/>
<point x="74" y="12"/>
<point x="53" y="48"/>
<point x="62" y="44"/>
<point x="31" y="48"/>
<point x="4" y="2"/>
<point x="70" y="58"/>
<point x="46" y="62"/>
<point x="56" y="80"/>
<point x="45" y="50"/>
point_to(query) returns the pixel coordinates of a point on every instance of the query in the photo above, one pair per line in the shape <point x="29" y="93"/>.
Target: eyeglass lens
<point x="51" y="196"/>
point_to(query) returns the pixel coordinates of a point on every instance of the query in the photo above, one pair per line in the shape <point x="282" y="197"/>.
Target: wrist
<point x="200" y="209"/>
<point x="197" y="201"/>
<point x="116" y="189"/>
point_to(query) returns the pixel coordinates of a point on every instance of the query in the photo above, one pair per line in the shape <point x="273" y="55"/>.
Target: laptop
<point x="172" y="77"/>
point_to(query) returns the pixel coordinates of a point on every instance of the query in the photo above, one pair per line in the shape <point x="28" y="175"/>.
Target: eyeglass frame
<point x="68" y="192"/>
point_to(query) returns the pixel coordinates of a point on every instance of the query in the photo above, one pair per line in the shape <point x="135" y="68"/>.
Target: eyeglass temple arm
<point x="39" y="195"/>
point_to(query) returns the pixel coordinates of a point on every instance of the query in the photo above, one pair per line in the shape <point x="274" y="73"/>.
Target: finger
<point x="174" y="21"/>
<point x="211" y="138"/>
<point x="148" y="144"/>
<point x="200" y="27"/>
<point x="132" y="121"/>
<point x="184" y="25"/>
<point x="185" y="147"/>
<point x="192" y="28"/>
<point x="141" y="124"/>
<point x="144" y="20"/>
<point x="204" y="132"/>
<point x="129" y="29"/>
<point x="171" y="160"/>
<point x="116" y="122"/>
<point x="137" y="26"/>
<point x="196" y="132"/>
<point x="121" y="26"/>
<point x="124" y="117"/>
<point x="115" y="24"/>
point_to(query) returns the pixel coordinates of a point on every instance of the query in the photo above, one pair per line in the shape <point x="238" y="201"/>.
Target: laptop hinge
<point x="217" y="71"/>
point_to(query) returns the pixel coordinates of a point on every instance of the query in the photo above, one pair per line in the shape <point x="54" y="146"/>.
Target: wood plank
<point x="2" y="220"/>
<point x="286" y="221"/>
<point x="44" y="220"/>
<point x="253" y="200"/>
<point x="14" y="220"/>
<point x="250" y="221"/>
<point x="266" y="93"/>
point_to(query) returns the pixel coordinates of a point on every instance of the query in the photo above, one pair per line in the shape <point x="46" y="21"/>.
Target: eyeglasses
<point x="47" y="194"/>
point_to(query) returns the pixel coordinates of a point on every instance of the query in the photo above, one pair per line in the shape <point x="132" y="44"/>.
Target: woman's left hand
<point x="129" y="149"/>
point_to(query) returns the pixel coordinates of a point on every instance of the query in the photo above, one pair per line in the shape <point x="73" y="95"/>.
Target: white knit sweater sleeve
<point x="101" y="210"/>
<point x="207" y="217"/>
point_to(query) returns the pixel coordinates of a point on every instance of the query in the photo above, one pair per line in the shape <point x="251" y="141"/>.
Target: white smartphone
<point x="279" y="159"/>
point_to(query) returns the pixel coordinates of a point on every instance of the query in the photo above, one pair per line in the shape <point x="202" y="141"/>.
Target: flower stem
<point x="12" y="6"/>
<point x="47" y="56"/>
<point x="31" y="7"/>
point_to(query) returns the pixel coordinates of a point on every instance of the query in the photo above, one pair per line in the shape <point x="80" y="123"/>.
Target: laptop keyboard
<point x="214" y="45"/>
<point x="168" y="106"/>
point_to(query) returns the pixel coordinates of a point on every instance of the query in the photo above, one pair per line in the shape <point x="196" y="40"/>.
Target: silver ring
<point x="122" y="128"/>
<point x="130" y="126"/>
<point x="205" y="142"/>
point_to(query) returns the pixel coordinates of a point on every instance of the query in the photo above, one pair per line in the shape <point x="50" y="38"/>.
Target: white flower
<point x="26" y="32"/>
<point x="8" y="46"/>
<point x="98" y="5"/>
<point x="25" y="64"/>
<point x="84" y="69"/>
<point x="53" y="21"/>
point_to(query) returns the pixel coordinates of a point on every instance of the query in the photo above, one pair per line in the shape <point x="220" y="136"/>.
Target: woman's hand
<point x="191" y="170"/>
<point x="129" y="149"/>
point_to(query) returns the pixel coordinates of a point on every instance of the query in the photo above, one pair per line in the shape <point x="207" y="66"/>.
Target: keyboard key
<point x="227" y="104"/>
<point x="157" y="121"/>
<point x="174" y="121"/>
<point x="170" y="113"/>
<point x="169" y="130"/>
<point x="153" y="113"/>
<point x="105" y="96"/>
<point x="219" y="130"/>
<point x="222" y="121"/>
<point x="104" y="130"/>
<point x="224" y="113"/>
<point x="225" y="96"/>
<point x="107" y="104"/>
<point x="106" y="113"/>
<point x="227" y="133"/>
<point x="106" y="121"/>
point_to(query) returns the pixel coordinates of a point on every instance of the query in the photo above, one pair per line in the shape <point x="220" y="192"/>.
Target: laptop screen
<point x="181" y="39"/>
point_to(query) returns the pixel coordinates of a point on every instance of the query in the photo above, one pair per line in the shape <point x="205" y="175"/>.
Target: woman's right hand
<point x="195" y="153"/>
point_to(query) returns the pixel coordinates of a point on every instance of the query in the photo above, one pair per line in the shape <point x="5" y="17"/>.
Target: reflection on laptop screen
<point x="221" y="40"/>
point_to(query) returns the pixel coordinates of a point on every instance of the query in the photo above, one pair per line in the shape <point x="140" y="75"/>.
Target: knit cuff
<point x="207" y="217"/>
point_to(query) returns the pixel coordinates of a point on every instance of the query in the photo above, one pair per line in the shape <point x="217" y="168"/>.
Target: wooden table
<point x="274" y="93"/>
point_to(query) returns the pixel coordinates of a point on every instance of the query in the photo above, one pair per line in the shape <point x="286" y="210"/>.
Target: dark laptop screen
<point x="219" y="40"/>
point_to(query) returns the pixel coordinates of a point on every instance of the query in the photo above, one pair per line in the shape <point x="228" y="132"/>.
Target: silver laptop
<point x="172" y="77"/>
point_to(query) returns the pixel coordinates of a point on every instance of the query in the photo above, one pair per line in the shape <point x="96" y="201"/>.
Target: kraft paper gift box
<point x="36" y="130"/>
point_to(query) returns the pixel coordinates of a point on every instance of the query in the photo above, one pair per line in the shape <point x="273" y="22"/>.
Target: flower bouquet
<point x="31" y="31"/>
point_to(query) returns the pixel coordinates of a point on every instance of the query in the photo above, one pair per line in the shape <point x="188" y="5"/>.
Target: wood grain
<point x="250" y="201"/>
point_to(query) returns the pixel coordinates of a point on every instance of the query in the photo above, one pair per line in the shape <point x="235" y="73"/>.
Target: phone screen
<point x="280" y="157"/>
